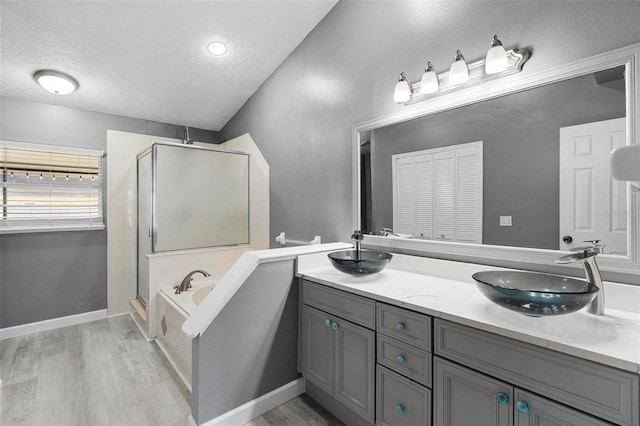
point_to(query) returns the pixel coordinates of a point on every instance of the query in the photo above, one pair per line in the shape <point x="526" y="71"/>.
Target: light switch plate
<point x="505" y="220"/>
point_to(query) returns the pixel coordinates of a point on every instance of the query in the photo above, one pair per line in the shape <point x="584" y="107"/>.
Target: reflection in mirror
<point x="542" y="178"/>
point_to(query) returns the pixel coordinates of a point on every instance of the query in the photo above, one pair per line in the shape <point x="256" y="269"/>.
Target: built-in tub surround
<point x="444" y="289"/>
<point x="169" y="269"/>
<point x="253" y="309"/>
<point x="172" y="310"/>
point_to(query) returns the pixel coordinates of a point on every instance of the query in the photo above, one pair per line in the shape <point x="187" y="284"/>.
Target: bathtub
<point x="172" y="310"/>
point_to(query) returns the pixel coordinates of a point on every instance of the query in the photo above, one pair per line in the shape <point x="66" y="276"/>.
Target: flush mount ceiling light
<point x="56" y="82"/>
<point x="496" y="60"/>
<point x="429" y="81"/>
<point x="459" y="72"/>
<point x="497" y="63"/>
<point x="403" y="89"/>
<point x="217" y="48"/>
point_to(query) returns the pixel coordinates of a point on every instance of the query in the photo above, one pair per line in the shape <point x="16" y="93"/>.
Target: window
<point x="48" y="188"/>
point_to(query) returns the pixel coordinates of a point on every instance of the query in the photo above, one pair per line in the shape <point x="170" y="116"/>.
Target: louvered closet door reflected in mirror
<point x="437" y="193"/>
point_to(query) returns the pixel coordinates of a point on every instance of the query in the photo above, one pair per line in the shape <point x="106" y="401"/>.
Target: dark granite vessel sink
<point x="364" y="262"/>
<point x="535" y="294"/>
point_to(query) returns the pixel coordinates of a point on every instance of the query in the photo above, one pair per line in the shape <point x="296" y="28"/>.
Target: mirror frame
<point x="627" y="56"/>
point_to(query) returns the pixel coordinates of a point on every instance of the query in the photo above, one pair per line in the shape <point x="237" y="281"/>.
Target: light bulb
<point x="496" y="60"/>
<point x="429" y="82"/>
<point x="402" y="93"/>
<point x="459" y="73"/>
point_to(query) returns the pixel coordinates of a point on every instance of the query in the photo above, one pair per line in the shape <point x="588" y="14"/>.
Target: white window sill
<point x="63" y="228"/>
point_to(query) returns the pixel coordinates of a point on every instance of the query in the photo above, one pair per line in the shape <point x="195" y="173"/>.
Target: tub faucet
<point x="588" y="259"/>
<point x="186" y="282"/>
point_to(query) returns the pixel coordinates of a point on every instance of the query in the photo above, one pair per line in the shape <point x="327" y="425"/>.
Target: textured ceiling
<point x="148" y="59"/>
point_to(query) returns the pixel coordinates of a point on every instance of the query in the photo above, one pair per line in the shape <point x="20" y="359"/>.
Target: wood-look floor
<point x="106" y="373"/>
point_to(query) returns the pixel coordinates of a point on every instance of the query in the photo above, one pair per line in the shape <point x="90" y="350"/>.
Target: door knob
<point x="567" y="239"/>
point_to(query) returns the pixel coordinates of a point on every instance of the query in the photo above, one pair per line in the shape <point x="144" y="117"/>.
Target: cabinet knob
<point x="522" y="406"/>
<point x="502" y="398"/>
<point x="327" y="323"/>
<point x="334" y="326"/>
<point x="400" y="359"/>
<point x="400" y="326"/>
<point x="399" y="409"/>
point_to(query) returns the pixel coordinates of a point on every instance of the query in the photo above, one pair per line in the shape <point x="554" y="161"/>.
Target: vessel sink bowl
<point x="535" y="294"/>
<point x="364" y="262"/>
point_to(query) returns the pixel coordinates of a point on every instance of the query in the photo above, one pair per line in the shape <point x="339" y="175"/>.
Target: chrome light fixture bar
<point x="497" y="63"/>
<point x="515" y="60"/>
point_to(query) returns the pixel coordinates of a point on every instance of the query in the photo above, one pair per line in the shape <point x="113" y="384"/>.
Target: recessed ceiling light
<point x="56" y="82"/>
<point x="217" y="48"/>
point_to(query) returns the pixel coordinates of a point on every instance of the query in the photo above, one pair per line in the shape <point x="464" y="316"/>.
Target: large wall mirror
<point x="515" y="170"/>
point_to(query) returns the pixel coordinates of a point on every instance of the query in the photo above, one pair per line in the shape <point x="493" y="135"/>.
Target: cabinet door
<point x="464" y="397"/>
<point x="401" y="402"/>
<point x="317" y="348"/>
<point x="532" y="410"/>
<point x="354" y="368"/>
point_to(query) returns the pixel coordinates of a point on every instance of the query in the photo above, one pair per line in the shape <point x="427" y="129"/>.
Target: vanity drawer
<point x="409" y="327"/>
<point x="401" y="401"/>
<point x="605" y="392"/>
<point x="405" y="359"/>
<point x="351" y="307"/>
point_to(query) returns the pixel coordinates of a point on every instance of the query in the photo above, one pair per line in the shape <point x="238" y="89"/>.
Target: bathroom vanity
<point x="400" y="348"/>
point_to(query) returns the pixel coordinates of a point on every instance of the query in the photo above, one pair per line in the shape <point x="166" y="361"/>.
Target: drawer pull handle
<point x="400" y="359"/>
<point x="522" y="406"/>
<point x="400" y="326"/>
<point x="502" y="398"/>
<point x="327" y="323"/>
<point x="399" y="409"/>
<point x="334" y="326"/>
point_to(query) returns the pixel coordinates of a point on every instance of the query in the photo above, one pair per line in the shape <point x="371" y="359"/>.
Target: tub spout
<point x="186" y="282"/>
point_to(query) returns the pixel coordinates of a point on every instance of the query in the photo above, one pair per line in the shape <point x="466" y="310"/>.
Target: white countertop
<point x="612" y="339"/>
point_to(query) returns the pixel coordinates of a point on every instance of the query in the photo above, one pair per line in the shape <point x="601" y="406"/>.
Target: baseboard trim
<point x="252" y="409"/>
<point x="51" y="324"/>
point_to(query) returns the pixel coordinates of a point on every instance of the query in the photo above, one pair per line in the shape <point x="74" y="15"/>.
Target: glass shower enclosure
<point x="189" y="197"/>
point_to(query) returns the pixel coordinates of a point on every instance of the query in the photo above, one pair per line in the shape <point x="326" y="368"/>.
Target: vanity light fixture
<point x="403" y="89"/>
<point x="496" y="60"/>
<point x="429" y="81"/>
<point x="459" y="72"/>
<point x="56" y="82"/>
<point x="433" y="84"/>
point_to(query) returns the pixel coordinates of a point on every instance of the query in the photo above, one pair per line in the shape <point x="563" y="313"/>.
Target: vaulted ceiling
<point x="149" y="59"/>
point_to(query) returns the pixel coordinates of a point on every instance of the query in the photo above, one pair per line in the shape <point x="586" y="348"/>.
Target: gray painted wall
<point x="344" y="73"/>
<point x="54" y="274"/>
<point x="259" y="328"/>
<point x="520" y="135"/>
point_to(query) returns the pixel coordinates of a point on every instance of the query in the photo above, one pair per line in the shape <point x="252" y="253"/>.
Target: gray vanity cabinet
<point x="317" y="348"/>
<point x="568" y="391"/>
<point x="404" y="367"/>
<point x="338" y="356"/>
<point x="465" y="397"/>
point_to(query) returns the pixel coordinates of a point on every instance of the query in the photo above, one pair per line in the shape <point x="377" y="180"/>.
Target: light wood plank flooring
<point x="106" y="373"/>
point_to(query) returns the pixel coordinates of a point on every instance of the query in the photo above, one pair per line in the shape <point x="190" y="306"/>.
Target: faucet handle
<point x="357" y="235"/>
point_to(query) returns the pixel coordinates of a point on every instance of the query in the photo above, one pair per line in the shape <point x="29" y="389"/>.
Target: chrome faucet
<point x="385" y="232"/>
<point x="186" y="282"/>
<point x="357" y="238"/>
<point x="588" y="258"/>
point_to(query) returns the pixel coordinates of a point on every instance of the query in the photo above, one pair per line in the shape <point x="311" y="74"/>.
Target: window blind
<point x="48" y="188"/>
